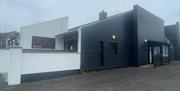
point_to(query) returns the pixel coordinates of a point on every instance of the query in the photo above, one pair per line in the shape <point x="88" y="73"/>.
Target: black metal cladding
<point x="148" y="27"/>
<point x="130" y="29"/>
<point x="173" y="34"/>
<point x="92" y="35"/>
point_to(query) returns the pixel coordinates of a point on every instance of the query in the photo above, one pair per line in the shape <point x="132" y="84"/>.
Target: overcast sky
<point x="17" y="13"/>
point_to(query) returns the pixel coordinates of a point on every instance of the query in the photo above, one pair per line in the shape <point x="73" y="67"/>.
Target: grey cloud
<point x="17" y="13"/>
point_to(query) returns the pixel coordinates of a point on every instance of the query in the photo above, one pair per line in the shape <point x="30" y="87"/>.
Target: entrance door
<point x="101" y="53"/>
<point x="157" y="55"/>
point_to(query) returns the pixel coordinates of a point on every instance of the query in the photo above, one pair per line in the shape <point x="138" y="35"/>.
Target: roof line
<point x="95" y="22"/>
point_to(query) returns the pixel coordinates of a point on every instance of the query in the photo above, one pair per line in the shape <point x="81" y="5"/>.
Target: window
<point x="165" y="51"/>
<point x="156" y="50"/>
<point x="71" y="45"/>
<point x="43" y="42"/>
<point x="113" y="48"/>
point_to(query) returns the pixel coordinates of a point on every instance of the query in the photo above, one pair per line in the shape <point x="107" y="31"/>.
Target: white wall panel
<point x="44" y="29"/>
<point x="49" y="62"/>
<point x="4" y="60"/>
<point x="14" y="69"/>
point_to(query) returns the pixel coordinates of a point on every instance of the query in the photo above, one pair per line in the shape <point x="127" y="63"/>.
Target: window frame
<point x="165" y="51"/>
<point x="113" y="48"/>
<point x="39" y="42"/>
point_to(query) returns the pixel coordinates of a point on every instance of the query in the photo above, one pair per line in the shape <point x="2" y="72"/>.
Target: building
<point x="132" y="38"/>
<point x="50" y="50"/>
<point x="38" y="54"/>
<point x="173" y="34"/>
<point x="32" y="36"/>
<point x="9" y="39"/>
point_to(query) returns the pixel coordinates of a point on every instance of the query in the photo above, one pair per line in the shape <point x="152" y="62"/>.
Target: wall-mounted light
<point x="167" y="41"/>
<point x="145" y="40"/>
<point x="113" y="37"/>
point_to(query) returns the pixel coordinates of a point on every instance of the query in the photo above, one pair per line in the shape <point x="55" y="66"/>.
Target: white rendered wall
<point x="44" y="29"/>
<point x="4" y="60"/>
<point x="14" y="69"/>
<point x="14" y="63"/>
<point x="49" y="62"/>
<point x="10" y="65"/>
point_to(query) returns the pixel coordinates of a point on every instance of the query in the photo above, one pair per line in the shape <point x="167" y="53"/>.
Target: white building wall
<point x="10" y="65"/>
<point x="49" y="62"/>
<point x="44" y="29"/>
<point x="14" y="63"/>
<point x="4" y="60"/>
<point x="14" y="69"/>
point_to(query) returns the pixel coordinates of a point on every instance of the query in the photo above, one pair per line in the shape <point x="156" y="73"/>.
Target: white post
<point x="79" y="40"/>
<point x="14" y="71"/>
<point x="1" y="61"/>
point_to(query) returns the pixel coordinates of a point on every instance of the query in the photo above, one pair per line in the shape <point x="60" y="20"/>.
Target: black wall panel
<point x="92" y="35"/>
<point x="149" y="27"/>
<point x="131" y="30"/>
<point x="173" y="34"/>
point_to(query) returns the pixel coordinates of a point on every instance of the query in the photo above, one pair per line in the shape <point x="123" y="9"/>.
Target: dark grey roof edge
<point x="95" y="22"/>
<point x="66" y="33"/>
<point x="175" y="24"/>
<point x="149" y="12"/>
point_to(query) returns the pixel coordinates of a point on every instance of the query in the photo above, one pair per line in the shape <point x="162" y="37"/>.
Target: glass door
<point x="157" y="55"/>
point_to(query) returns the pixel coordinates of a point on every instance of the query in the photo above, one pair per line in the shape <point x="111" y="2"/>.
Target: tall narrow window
<point x="156" y="50"/>
<point x="113" y="48"/>
<point x="165" y="51"/>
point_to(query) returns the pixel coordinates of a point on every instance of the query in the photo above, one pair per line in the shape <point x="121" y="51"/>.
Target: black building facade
<point x="147" y="27"/>
<point x="132" y="38"/>
<point x="124" y="40"/>
<point x="173" y="34"/>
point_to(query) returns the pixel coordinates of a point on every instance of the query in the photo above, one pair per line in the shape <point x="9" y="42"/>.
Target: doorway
<point x="101" y="53"/>
<point x="158" y="53"/>
<point x="155" y="55"/>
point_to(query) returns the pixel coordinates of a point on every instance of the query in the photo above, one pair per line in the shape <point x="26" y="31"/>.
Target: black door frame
<point x="153" y="44"/>
<point x="153" y="56"/>
<point x="101" y="53"/>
